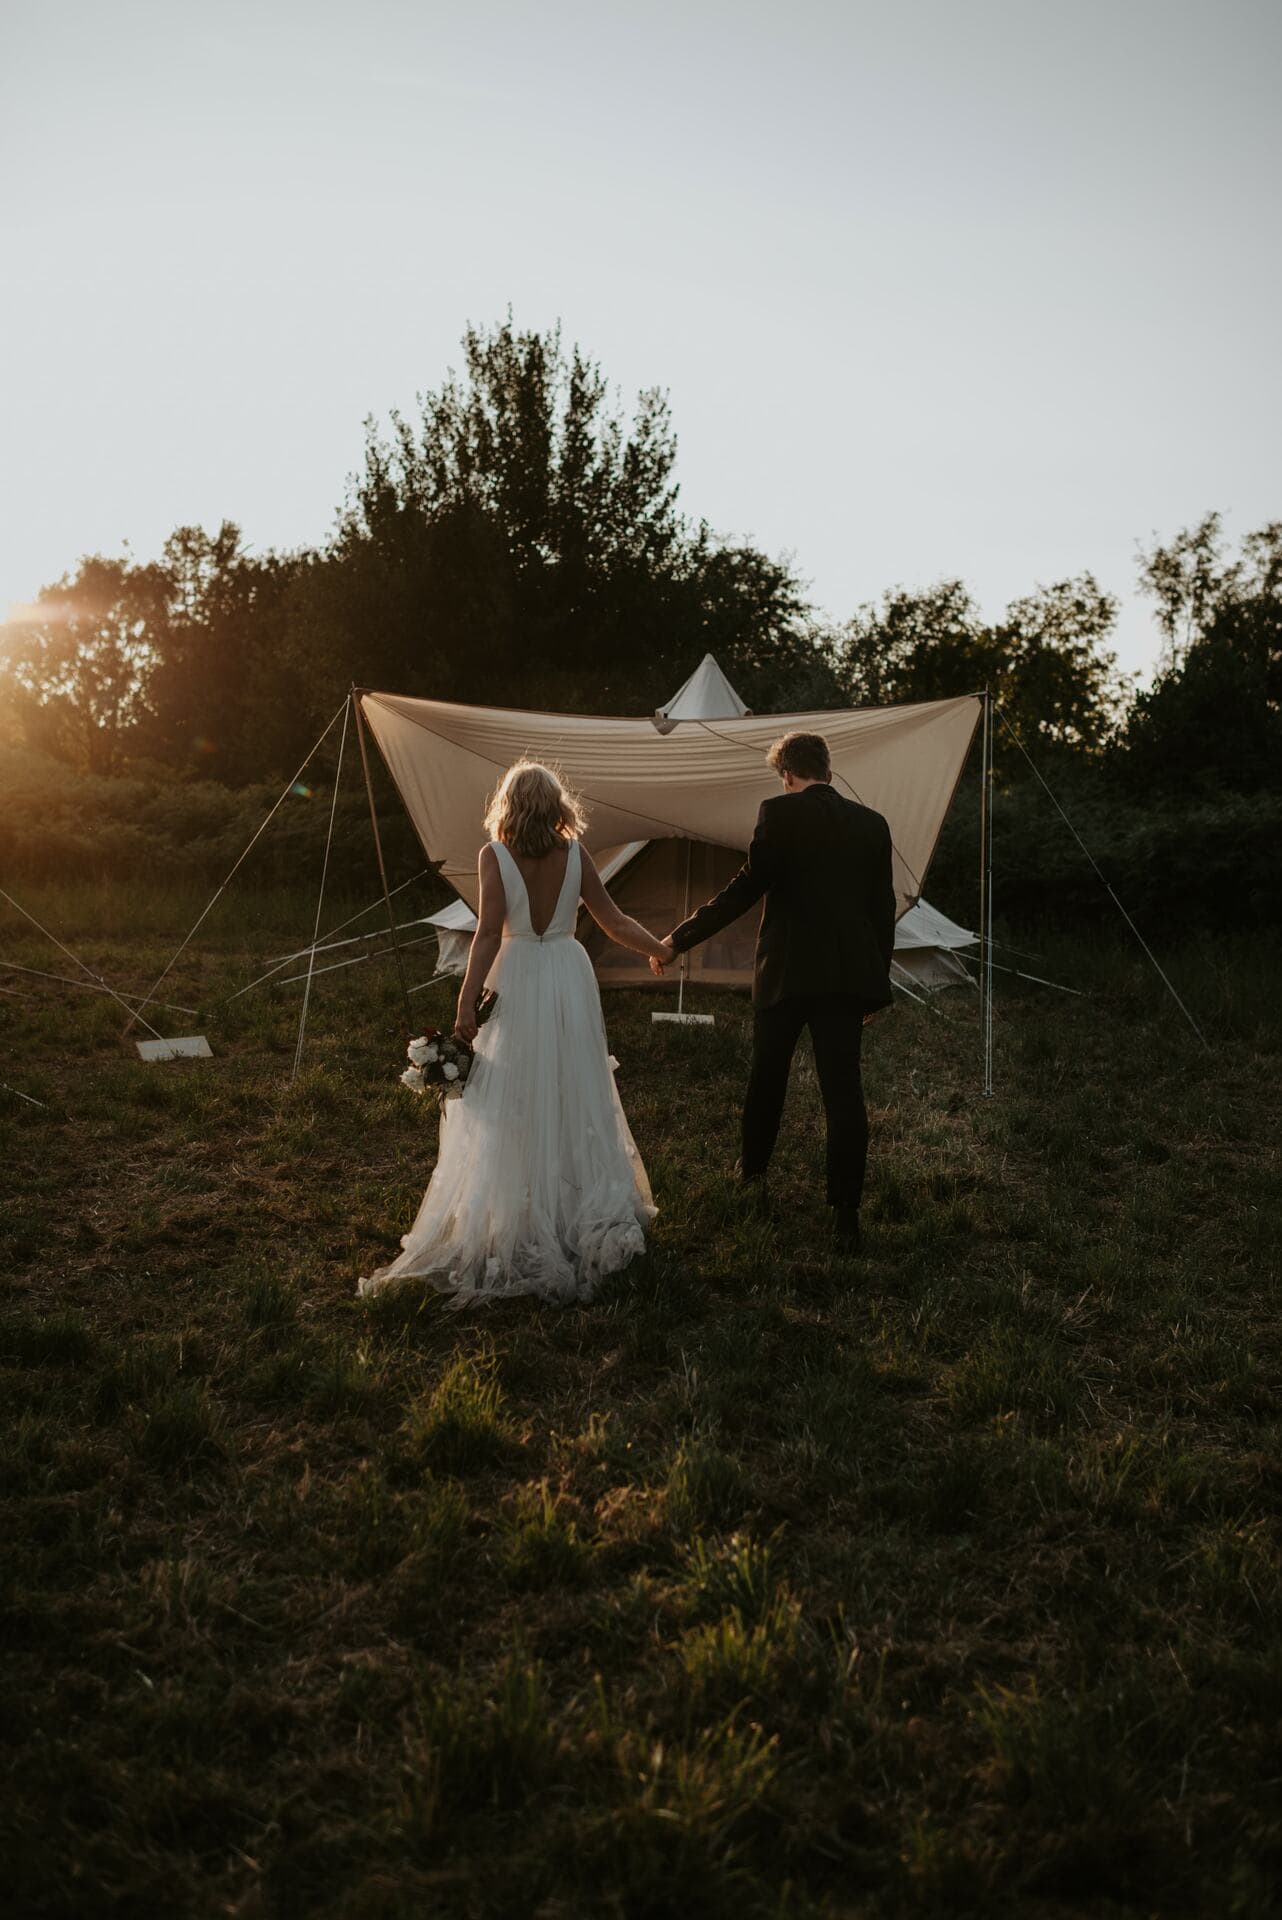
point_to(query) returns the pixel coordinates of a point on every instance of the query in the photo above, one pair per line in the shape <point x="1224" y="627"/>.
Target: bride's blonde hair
<point x="532" y="812"/>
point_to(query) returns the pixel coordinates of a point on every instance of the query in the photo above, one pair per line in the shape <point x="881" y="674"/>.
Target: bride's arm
<point x="613" y="922"/>
<point x="485" y="942"/>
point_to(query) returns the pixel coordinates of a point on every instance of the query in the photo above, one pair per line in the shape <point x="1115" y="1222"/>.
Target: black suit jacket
<point x="823" y="864"/>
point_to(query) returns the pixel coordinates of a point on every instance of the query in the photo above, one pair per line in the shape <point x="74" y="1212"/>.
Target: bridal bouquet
<point x="438" y="1062"/>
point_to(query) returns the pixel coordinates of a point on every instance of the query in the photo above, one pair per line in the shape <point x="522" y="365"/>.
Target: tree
<point x="519" y="529"/>
<point x="1044" y="661"/>
<point x="196" y="688"/>
<point x="1212" y="721"/>
<point x="925" y="645"/>
<point x="230" y="692"/>
<point x="80" y="660"/>
<point x="1058" y="685"/>
<point x="521" y="542"/>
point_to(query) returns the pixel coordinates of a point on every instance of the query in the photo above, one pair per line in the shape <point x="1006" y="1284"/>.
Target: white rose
<point x="433" y="1051"/>
<point x="450" y="1070"/>
<point x="419" y="1051"/>
<point x="412" y="1079"/>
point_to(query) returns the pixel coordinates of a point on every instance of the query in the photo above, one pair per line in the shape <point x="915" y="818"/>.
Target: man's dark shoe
<point x="845" y="1229"/>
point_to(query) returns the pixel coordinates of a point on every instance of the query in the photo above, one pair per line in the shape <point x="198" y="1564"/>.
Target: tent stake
<point x="382" y="870"/>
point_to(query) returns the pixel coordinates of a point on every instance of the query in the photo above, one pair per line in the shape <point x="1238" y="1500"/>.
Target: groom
<point x="823" y="959"/>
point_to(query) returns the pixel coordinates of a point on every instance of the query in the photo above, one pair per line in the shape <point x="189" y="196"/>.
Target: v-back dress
<point x="538" y="1187"/>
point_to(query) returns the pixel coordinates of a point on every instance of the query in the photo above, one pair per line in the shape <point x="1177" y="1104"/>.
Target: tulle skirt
<point x="538" y="1187"/>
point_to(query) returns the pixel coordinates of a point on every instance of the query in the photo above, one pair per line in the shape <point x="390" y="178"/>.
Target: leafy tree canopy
<point x="1213" y="718"/>
<point x="1045" y="661"/>
<point x="79" y="659"/>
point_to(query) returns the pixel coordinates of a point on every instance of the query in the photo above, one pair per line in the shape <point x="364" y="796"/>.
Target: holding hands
<point x="662" y="957"/>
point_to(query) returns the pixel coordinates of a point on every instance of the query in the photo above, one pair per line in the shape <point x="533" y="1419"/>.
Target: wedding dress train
<point x="538" y="1187"/>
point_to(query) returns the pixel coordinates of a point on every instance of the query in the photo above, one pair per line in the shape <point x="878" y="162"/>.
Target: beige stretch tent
<point x="673" y="799"/>
<point x="656" y="882"/>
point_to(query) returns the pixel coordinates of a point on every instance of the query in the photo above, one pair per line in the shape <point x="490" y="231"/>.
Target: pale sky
<point x="936" y="288"/>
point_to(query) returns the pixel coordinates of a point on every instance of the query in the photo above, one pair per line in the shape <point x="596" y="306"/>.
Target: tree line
<point x="520" y="541"/>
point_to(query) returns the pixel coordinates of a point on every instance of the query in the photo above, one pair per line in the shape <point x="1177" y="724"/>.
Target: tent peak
<point x="706" y="695"/>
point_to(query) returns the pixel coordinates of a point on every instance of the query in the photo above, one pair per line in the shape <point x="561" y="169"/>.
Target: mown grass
<point x="771" y="1583"/>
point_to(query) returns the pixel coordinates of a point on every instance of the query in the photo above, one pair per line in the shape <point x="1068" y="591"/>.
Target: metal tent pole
<point x="382" y="870"/>
<point x="320" y="901"/>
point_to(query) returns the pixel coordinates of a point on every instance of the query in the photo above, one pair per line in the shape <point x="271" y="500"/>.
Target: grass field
<point x="945" y="1581"/>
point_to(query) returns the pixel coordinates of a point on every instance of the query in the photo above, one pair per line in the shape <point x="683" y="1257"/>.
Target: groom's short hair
<point x="804" y="755"/>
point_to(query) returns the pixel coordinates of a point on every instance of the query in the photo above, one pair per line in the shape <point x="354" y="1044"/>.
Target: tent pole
<point x="378" y="848"/>
<point x="986" y="896"/>
<point x="320" y="901"/>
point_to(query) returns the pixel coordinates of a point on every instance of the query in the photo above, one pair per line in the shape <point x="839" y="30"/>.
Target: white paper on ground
<point x="194" y="1044"/>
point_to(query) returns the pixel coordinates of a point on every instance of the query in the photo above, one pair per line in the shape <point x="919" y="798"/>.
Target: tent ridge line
<point x="639" y="722"/>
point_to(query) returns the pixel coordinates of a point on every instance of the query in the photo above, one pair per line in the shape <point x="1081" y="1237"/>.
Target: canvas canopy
<point x="689" y="782"/>
<point x="701" y="782"/>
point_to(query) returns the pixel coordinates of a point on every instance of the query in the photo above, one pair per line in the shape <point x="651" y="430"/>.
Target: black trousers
<point x="836" y="1023"/>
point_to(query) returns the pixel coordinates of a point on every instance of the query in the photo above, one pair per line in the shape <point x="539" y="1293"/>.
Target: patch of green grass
<point x="735" y="1575"/>
<point x="732" y="1660"/>
<point x="269" y="1303"/>
<point x="704" y="1487"/>
<point x="1008" y="1370"/>
<point x="54" y="1340"/>
<point x="542" y="1545"/>
<point x="677" y="1829"/>
<point x="183" y="1429"/>
<point x="346" y="1380"/>
<point x="460" y="1425"/>
<point x="479" y="1743"/>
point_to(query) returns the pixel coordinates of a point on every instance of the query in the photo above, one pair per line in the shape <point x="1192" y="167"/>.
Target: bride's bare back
<point x="543" y="879"/>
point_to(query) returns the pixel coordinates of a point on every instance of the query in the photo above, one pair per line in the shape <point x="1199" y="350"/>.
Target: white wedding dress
<point x="538" y="1187"/>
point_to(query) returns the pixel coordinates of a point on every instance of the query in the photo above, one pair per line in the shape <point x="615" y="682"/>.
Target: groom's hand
<point x="659" y="962"/>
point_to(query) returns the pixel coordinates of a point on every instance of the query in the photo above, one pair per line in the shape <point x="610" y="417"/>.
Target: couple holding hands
<point x="538" y="1187"/>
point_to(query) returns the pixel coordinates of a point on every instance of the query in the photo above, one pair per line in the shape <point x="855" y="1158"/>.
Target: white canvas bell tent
<point x="659" y="881"/>
<point x="672" y="801"/>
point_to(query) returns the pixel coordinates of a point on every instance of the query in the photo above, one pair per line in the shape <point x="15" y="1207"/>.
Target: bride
<point x="538" y="1186"/>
